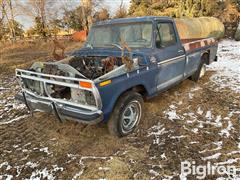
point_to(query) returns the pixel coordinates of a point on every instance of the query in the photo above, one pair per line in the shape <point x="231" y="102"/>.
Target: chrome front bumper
<point x="63" y="109"/>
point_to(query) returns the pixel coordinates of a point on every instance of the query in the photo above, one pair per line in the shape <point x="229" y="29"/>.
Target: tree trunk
<point x="8" y="23"/>
<point x="43" y="19"/>
<point x="2" y="12"/>
<point x="12" y="20"/>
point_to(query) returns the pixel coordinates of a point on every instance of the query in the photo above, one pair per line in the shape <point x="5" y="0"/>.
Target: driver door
<point x="170" y="56"/>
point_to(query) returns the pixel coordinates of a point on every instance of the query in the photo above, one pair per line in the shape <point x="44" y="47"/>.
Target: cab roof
<point x="133" y="19"/>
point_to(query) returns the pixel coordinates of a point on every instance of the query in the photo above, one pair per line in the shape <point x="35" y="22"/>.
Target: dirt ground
<point x="192" y="121"/>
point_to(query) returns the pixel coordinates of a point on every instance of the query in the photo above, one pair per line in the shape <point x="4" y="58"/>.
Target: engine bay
<point x="94" y="67"/>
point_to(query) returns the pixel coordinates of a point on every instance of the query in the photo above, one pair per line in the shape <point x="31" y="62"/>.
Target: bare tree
<point x="11" y="22"/>
<point x="2" y="7"/>
<point x="41" y="11"/>
<point x="89" y="8"/>
<point x="6" y="11"/>
<point x="2" y="26"/>
<point x="35" y="9"/>
<point x="121" y="11"/>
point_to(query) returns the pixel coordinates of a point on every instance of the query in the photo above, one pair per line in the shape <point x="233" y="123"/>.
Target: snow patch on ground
<point x="154" y="173"/>
<point x="32" y="164"/>
<point x="6" y="177"/>
<point x="156" y="131"/>
<point x="45" y="150"/>
<point x="171" y="113"/>
<point x="226" y="131"/>
<point x="228" y="66"/>
<point x="15" y="119"/>
<point x="37" y="171"/>
<point x="229" y="161"/>
<point x="218" y="144"/>
<point x="45" y="173"/>
<point x="215" y="156"/>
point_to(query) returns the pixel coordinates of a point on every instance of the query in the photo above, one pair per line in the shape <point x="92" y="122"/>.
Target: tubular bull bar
<point x="62" y="108"/>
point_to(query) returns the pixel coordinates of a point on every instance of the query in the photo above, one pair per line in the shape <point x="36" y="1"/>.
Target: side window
<point x="165" y="35"/>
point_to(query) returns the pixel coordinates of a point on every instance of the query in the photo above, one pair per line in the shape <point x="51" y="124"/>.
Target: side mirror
<point x="153" y="60"/>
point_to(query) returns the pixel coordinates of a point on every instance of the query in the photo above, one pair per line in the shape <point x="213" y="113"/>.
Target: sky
<point x="111" y="5"/>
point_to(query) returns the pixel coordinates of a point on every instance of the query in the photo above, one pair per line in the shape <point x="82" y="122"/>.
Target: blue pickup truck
<point x="123" y="62"/>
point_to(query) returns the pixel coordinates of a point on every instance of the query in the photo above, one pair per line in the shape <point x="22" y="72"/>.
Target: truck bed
<point x="192" y="44"/>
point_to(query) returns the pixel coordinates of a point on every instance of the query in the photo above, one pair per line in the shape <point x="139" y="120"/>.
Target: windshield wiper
<point x="89" y="45"/>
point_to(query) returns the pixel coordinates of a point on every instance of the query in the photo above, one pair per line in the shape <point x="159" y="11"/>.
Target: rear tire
<point x="126" y="115"/>
<point x="201" y="69"/>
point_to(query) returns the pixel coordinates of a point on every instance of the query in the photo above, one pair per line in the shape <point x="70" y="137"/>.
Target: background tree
<point x="176" y="8"/>
<point x="41" y="11"/>
<point x="18" y="28"/>
<point x="9" y="27"/>
<point x="139" y="7"/>
<point x="82" y="16"/>
<point x="101" y="15"/>
<point x="55" y="26"/>
<point x="73" y="19"/>
<point x="228" y="11"/>
<point x="2" y="6"/>
<point x="199" y="8"/>
<point x="3" y="32"/>
<point x="121" y="11"/>
<point x="8" y="17"/>
<point x="40" y="28"/>
<point x="12" y="22"/>
<point x="2" y="26"/>
<point x="30" y="32"/>
<point x="89" y="8"/>
<point x="237" y="3"/>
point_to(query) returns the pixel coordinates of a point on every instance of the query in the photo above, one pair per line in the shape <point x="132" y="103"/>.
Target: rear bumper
<point x="61" y="110"/>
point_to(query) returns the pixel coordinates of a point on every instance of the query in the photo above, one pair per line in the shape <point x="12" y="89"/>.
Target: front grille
<point x="33" y="86"/>
<point x="62" y="89"/>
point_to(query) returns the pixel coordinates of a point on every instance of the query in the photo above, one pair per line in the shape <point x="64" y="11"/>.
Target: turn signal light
<point x="85" y="84"/>
<point x="104" y="83"/>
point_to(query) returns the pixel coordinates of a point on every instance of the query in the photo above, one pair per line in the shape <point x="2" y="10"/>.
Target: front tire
<point x="126" y="115"/>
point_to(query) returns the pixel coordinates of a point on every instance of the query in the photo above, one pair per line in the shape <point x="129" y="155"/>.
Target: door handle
<point x="180" y="50"/>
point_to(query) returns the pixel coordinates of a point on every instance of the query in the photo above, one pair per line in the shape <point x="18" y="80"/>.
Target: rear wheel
<point x="126" y="114"/>
<point x="202" y="68"/>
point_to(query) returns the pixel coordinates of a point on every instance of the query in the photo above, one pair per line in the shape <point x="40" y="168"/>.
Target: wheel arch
<point x="137" y="88"/>
<point x="140" y="88"/>
<point x="206" y="54"/>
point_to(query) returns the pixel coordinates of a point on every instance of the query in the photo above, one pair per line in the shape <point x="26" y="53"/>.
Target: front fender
<point x="111" y="92"/>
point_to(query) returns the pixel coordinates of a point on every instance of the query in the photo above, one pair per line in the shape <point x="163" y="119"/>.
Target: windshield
<point x="136" y="35"/>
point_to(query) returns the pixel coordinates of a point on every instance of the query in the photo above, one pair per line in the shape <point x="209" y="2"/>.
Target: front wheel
<point x="126" y="114"/>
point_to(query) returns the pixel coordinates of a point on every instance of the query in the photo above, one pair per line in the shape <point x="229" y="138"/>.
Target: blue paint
<point x="154" y="77"/>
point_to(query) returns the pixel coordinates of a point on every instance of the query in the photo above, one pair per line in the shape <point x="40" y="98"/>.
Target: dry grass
<point x="36" y="45"/>
<point x="24" y="53"/>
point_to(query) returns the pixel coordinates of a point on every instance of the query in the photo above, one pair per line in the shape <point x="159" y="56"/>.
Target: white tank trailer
<point x="198" y="28"/>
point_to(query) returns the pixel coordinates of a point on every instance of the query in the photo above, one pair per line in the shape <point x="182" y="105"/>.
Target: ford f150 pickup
<point x="123" y="62"/>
